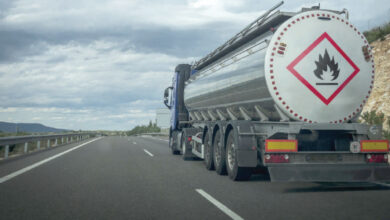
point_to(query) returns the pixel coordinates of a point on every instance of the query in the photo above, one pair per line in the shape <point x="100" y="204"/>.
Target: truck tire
<point x="208" y="153"/>
<point x="219" y="154"/>
<point x="173" y="145"/>
<point x="185" y="147"/>
<point x="235" y="172"/>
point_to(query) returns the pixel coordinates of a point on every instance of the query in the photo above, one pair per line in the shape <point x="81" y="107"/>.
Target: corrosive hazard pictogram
<point x="324" y="68"/>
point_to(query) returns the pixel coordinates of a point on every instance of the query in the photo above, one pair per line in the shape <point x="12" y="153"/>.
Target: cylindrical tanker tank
<point x="314" y="67"/>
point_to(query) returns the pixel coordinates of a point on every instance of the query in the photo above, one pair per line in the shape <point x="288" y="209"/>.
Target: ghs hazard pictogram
<point x="324" y="68"/>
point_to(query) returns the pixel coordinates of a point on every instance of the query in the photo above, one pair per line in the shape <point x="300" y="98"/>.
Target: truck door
<point x="170" y="100"/>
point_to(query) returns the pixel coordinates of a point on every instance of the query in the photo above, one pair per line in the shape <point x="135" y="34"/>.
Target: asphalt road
<point x="138" y="178"/>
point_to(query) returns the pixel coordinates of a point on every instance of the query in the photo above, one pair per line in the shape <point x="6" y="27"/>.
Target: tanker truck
<point x="282" y="96"/>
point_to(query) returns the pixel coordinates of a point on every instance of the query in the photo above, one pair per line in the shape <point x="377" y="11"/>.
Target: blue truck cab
<point x="174" y="100"/>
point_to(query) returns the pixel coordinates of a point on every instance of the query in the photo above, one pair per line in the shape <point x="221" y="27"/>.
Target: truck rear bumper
<point x="329" y="173"/>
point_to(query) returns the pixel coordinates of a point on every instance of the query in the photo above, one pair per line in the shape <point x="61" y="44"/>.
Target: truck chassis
<point x="237" y="148"/>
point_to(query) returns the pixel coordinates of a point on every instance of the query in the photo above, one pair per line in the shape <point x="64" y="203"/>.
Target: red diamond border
<point x="291" y="66"/>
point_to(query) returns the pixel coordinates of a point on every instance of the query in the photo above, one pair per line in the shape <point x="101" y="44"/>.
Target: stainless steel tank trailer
<point x="282" y="95"/>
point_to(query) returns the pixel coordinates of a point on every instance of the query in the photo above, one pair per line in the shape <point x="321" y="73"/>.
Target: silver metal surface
<point x="239" y="83"/>
<point x="232" y="76"/>
<point x="234" y="86"/>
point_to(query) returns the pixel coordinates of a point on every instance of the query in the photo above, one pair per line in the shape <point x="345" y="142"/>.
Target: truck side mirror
<point x="166" y="97"/>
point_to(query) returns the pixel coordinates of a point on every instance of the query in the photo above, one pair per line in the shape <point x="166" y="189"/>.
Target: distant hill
<point x="27" y="127"/>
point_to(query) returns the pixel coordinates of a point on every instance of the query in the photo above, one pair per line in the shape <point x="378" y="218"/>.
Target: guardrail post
<point x="38" y="145"/>
<point x="56" y="142"/>
<point x="26" y="147"/>
<point x="6" y="151"/>
<point x="48" y="143"/>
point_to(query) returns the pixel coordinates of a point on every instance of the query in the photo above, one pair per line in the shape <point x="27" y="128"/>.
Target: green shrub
<point x="151" y="128"/>
<point x="377" y="33"/>
<point x="374" y="118"/>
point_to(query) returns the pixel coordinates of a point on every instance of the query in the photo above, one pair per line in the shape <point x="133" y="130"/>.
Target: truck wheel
<point x="219" y="154"/>
<point x="172" y="144"/>
<point x="185" y="147"/>
<point x="208" y="153"/>
<point x="235" y="172"/>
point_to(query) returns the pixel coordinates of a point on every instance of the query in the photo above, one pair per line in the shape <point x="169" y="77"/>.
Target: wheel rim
<point x="231" y="156"/>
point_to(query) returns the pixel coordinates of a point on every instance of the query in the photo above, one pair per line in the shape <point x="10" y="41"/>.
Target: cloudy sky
<point x="103" y="64"/>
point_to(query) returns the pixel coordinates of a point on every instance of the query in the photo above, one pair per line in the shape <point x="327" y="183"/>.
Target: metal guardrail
<point x="59" y="139"/>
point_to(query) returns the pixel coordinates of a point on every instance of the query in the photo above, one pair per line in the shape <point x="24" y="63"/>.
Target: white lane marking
<point x="134" y="142"/>
<point x="219" y="205"/>
<point x="26" y="169"/>
<point x="382" y="184"/>
<point x="150" y="154"/>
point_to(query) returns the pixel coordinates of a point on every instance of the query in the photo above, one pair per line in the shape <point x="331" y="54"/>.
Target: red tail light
<point x="276" y="158"/>
<point x="376" y="158"/>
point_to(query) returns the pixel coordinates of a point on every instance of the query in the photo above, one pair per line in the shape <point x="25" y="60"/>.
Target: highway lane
<point x="138" y="178"/>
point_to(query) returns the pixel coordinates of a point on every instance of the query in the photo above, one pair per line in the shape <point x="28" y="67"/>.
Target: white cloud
<point x="92" y="15"/>
<point x="104" y="64"/>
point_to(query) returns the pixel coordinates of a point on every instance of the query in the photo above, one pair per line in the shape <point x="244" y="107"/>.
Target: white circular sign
<point x="319" y="68"/>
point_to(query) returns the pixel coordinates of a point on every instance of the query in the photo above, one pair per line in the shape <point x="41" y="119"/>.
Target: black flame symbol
<point x="322" y="65"/>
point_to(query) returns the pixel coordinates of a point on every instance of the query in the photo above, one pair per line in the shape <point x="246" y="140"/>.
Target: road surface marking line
<point x="150" y="154"/>
<point x="219" y="205"/>
<point x="382" y="184"/>
<point x="26" y="169"/>
<point x="134" y="142"/>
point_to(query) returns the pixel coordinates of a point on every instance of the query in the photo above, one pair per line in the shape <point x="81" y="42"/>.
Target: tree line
<point x="141" y="129"/>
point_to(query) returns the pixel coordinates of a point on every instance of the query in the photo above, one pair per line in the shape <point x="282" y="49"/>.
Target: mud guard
<point x="246" y="143"/>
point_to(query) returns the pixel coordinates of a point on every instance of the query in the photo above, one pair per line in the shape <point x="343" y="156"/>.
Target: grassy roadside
<point x="377" y="33"/>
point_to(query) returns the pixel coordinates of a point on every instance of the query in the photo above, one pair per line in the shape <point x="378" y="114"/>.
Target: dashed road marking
<point x="150" y="154"/>
<point x="219" y="205"/>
